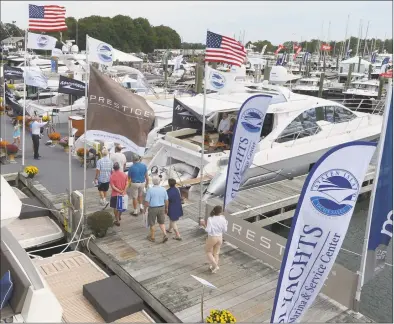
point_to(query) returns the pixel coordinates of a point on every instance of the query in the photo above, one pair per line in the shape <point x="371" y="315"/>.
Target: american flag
<point x="224" y="50"/>
<point x="47" y="18"/>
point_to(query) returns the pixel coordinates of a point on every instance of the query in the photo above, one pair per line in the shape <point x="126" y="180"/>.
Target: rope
<point x="52" y="247"/>
<point x="55" y="210"/>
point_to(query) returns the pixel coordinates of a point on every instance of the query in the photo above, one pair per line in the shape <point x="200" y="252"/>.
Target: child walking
<point x="17" y="134"/>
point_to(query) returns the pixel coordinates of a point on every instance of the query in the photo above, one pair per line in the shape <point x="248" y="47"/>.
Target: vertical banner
<point x="246" y="137"/>
<point x="319" y="227"/>
<point x="380" y="217"/>
<point x="117" y="115"/>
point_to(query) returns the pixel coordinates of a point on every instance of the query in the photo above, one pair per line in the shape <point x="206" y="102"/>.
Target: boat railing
<point x="365" y="105"/>
<point x="312" y="131"/>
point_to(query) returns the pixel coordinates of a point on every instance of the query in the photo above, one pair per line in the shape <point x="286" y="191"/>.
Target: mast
<point x="365" y="39"/>
<point x="343" y="53"/>
<point x="359" y="36"/>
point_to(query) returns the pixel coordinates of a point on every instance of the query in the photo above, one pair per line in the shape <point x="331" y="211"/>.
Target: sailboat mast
<point x="358" y="37"/>
<point x="365" y="39"/>
<point x="343" y="54"/>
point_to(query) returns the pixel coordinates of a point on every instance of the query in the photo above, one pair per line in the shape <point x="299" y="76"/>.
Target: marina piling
<point x="359" y="65"/>
<point x="349" y="76"/>
<point x="267" y="71"/>
<point x="380" y="90"/>
<point x="320" y="95"/>
<point x="369" y="71"/>
<point x="199" y="77"/>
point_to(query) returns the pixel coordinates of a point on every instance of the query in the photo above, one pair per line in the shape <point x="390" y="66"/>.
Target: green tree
<point x="167" y="37"/>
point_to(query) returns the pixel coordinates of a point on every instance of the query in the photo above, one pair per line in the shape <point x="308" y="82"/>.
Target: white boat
<point x="363" y="89"/>
<point x="57" y="106"/>
<point x="297" y="130"/>
<point x="310" y="86"/>
<point x="46" y="290"/>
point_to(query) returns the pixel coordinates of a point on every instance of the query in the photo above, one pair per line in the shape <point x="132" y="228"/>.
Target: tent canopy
<point x="124" y="57"/>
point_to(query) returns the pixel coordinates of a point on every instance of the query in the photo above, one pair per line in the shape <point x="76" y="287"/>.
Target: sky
<point x="276" y="21"/>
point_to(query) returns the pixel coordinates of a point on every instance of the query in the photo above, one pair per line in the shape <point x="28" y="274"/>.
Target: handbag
<point x="145" y="219"/>
<point x="121" y="203"/>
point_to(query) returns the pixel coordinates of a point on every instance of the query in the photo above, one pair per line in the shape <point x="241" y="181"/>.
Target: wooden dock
<point x="161" y="275"/>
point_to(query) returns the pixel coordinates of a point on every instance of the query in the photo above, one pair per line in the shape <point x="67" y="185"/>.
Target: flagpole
<point x="85" y="121"/>
<point x="203" y="137"/>
<point x="361" y="276"/>
<point x="24" y="107"/>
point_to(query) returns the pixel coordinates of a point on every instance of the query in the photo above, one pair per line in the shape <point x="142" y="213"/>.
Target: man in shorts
<point x="157" y="200"/>
<point x="138" y="179"/>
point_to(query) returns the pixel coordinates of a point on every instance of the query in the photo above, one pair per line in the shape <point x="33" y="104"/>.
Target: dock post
<point x="300" y="69"/>
<point x="267" y="71"/>
<point x="202" y="304"/>
<point x="324" y="62"/>
<point x="359" y="65"/>
<point x="337" y="61"/>
<point x="256" y="71"/>
<point x="369" y="71"/>
<point x="380" y="90"/>
<point x="349" y="76"/>
<point x="320" y="95"/>
<point x="199" y="76"/>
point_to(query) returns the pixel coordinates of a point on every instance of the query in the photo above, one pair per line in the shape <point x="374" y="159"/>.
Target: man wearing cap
<point x="138" y="179"/>
<point x="119" y="157"/>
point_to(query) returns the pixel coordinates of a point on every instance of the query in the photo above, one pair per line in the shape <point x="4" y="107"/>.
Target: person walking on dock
<point x="103" y="174"/>
<point x="156" y="200"/>
<point x="216" y="227"/>
<point x="35" y="135"/>
<point x="175" y="210"/>
<point x="138" y="179"/>
<point x="118" y="182"/>
<point x="119" y="157"/>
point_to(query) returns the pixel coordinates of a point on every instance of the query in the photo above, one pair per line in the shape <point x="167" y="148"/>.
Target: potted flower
<point x="54" y="137"/>
<point x="2" y="109"/>
<point x="11" y="150"/>
<point x="64" y="143"/>
<point x="3" y="144"/>
<point x="220" y="316"/>
<point x="46" y="118"/>
<point x="31" y="171"/>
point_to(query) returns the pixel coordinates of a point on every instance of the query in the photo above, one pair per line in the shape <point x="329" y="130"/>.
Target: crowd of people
<point x="154" y="202"/>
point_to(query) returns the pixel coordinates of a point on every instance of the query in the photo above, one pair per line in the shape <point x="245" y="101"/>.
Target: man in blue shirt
<point x="138" y="179"/>
<point x="157" y="200"/>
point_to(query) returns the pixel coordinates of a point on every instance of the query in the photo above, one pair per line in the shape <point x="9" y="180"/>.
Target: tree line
<point x="336" y="47"/>
<point x="138" y="35"/>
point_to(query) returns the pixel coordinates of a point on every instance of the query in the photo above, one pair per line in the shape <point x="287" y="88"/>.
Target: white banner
<point x="246" y="136"/>
<point x="41" y="42"/>
<point x="319" y="227"/>
<point x="99" y="51"/>
<point x="35" y="79"/>
<point x="222" y="82"/>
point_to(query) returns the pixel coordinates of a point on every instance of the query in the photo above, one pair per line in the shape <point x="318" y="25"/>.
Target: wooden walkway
<point x="161" y="275"/>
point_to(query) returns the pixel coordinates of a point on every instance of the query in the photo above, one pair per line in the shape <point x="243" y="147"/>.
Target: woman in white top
<point x="216" y="226"/>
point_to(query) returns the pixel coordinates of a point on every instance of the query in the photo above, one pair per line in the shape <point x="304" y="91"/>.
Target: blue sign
<point x="381" y="230"/>
<point x="53" y="66"/>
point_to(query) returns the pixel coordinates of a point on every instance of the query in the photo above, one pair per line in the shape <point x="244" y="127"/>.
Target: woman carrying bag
<point x="119" y="201"/>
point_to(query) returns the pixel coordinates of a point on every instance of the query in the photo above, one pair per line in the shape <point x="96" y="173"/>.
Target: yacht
<point x="310" y="86"/>
<point x="297" y="130"/>
<point x="362" y="89"/>
<point x="47" y="290"/>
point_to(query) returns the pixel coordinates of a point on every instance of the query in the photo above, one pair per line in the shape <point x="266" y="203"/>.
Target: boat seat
<point x="19" y="279"/>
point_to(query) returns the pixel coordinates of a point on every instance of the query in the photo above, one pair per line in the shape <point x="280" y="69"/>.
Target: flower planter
<point x="66" y="149"/>
<point x="54" y="142"/>
<point x="11" y="157"/>
<point x="31" y="176"/>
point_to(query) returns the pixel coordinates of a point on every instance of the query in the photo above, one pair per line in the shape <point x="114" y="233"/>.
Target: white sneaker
<point x="101" y="201"/>
<point x="215" y="270"/>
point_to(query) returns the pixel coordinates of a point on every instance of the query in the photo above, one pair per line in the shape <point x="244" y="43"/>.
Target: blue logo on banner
<point x="252" y="120"/>
<point x="337" y="188"/>
<point x="104" y="53"/>
<point x="42" y="41"/>
<point x="218" y="81"/>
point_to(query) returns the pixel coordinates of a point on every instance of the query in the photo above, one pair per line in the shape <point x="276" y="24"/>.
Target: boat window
<point x="268" y="125"/>
<point x="302" y="126"/>
<point x="343" y="115"/>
